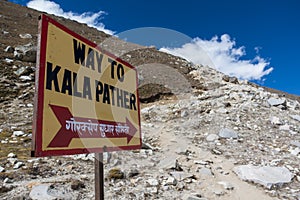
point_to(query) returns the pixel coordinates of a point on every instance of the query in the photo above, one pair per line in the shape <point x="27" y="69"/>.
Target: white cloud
<point x="91" y="19"/>
<point x="223" y="55"/>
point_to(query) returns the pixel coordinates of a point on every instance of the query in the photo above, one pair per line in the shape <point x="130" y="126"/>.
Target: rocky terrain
<point x="206" y="135"/>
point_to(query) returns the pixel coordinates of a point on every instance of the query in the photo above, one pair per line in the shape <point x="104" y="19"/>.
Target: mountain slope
<point x="200" y="129"/>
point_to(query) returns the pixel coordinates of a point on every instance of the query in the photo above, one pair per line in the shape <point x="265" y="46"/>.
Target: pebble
<point x="18" y="165"/>
<point x="228" y="133"/>
<point x="7" y="180"/>
<point x="171" y="181"/>
<point x="295" y="143"/>
<point x="275" y="121"/>
<point x="18" y="133"/>
<point x="180" y="176"/>
<point x="195" y="198"/>
<point x="284" y="127"/>
<point x="212" y="137"/>
<point x="25" y="36"/>
<point x="295" y="151"/>
<point x="116" y="174"/>
<point x="205" y="171"/>
<point x="219" y="192"/>
<point x="152" y="182"/>
<point x="133" y="173"/>
<point x="2" y="169"/>
<point x="9" y="60"/>
<point x="25" y="78"/>
<point x="11" y="155"/>
<point x="9" y="49"/>
<point x="77" y="185"/>
<point x="226" y="185"/>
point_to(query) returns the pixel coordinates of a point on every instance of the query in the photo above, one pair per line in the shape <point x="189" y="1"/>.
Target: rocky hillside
<point x="206" y="135"/>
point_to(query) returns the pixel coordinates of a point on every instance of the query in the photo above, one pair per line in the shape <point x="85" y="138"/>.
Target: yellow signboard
<point x="86" y="99"/>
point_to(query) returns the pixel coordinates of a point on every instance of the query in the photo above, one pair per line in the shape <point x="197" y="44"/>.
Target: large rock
<point x="266" y="176"/>
<point x="41" y="192"/>
<point x="276" y="102"/>
<point x="50" y="192"/>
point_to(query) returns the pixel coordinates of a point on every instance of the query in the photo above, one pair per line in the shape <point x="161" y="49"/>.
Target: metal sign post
<point x="99" y="177"/>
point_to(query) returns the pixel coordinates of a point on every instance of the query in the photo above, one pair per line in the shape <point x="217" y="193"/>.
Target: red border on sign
<point x="37" y="151"/>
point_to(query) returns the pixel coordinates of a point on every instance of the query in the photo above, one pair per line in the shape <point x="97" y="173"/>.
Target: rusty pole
<point x="99" y="177"/>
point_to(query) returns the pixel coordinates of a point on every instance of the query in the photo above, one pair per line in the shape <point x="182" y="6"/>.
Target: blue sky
<point x="256" y="40"/>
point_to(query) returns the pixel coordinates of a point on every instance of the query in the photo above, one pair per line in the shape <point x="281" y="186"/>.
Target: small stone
<point x="25" y="36"/>
<point x="212" y="137"/>
<point x="219" y="192"/>
<point x="147" y="146"/>
<point x="115" y="174"/>
<point x="5" y="188"/>
<point x="18" y="133"/>
<point x="23" y="71"/>
<point x="233" y="80"/>
<point x="201" y="162"/>
<point x="133" y="173"/>
<point x="9" y="49"/>
<point x="152" y="182"/>
<point x="11" y="155"/>
<point x="275" y="121"/>
<point x="18" y="165"/>
<point x="228" y="133"/>
<point x="205" y="171"/>
<point x="152" y="190"/>
<point x="295" y="151"/>
<point x="184" y="113"/>
<point x="25" y="78"/>
<point x="180" y="176"/>
<point x="9" y="60"/>
<point x="226" y="78"/>
<point x="195" y="198"/>
<point x="2" y="169"/>
<point x="12" y="161"/>
<point x="171" y="181"/>
<point x="216" y="152"/>
<point x="284" y="127"/>
<point x="295" y="143"/>
<point x="8" y="180"/>
<point x="77" y="184"/>
<point x="226" y="185"/>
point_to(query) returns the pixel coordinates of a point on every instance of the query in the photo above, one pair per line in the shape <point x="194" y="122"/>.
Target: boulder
<point x="266" y="176"/>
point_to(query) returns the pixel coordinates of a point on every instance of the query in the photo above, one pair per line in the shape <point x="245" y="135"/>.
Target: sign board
<point x="86" y="99"/>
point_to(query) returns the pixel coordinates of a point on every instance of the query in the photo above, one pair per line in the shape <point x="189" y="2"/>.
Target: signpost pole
<point x="99" y="177"/>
